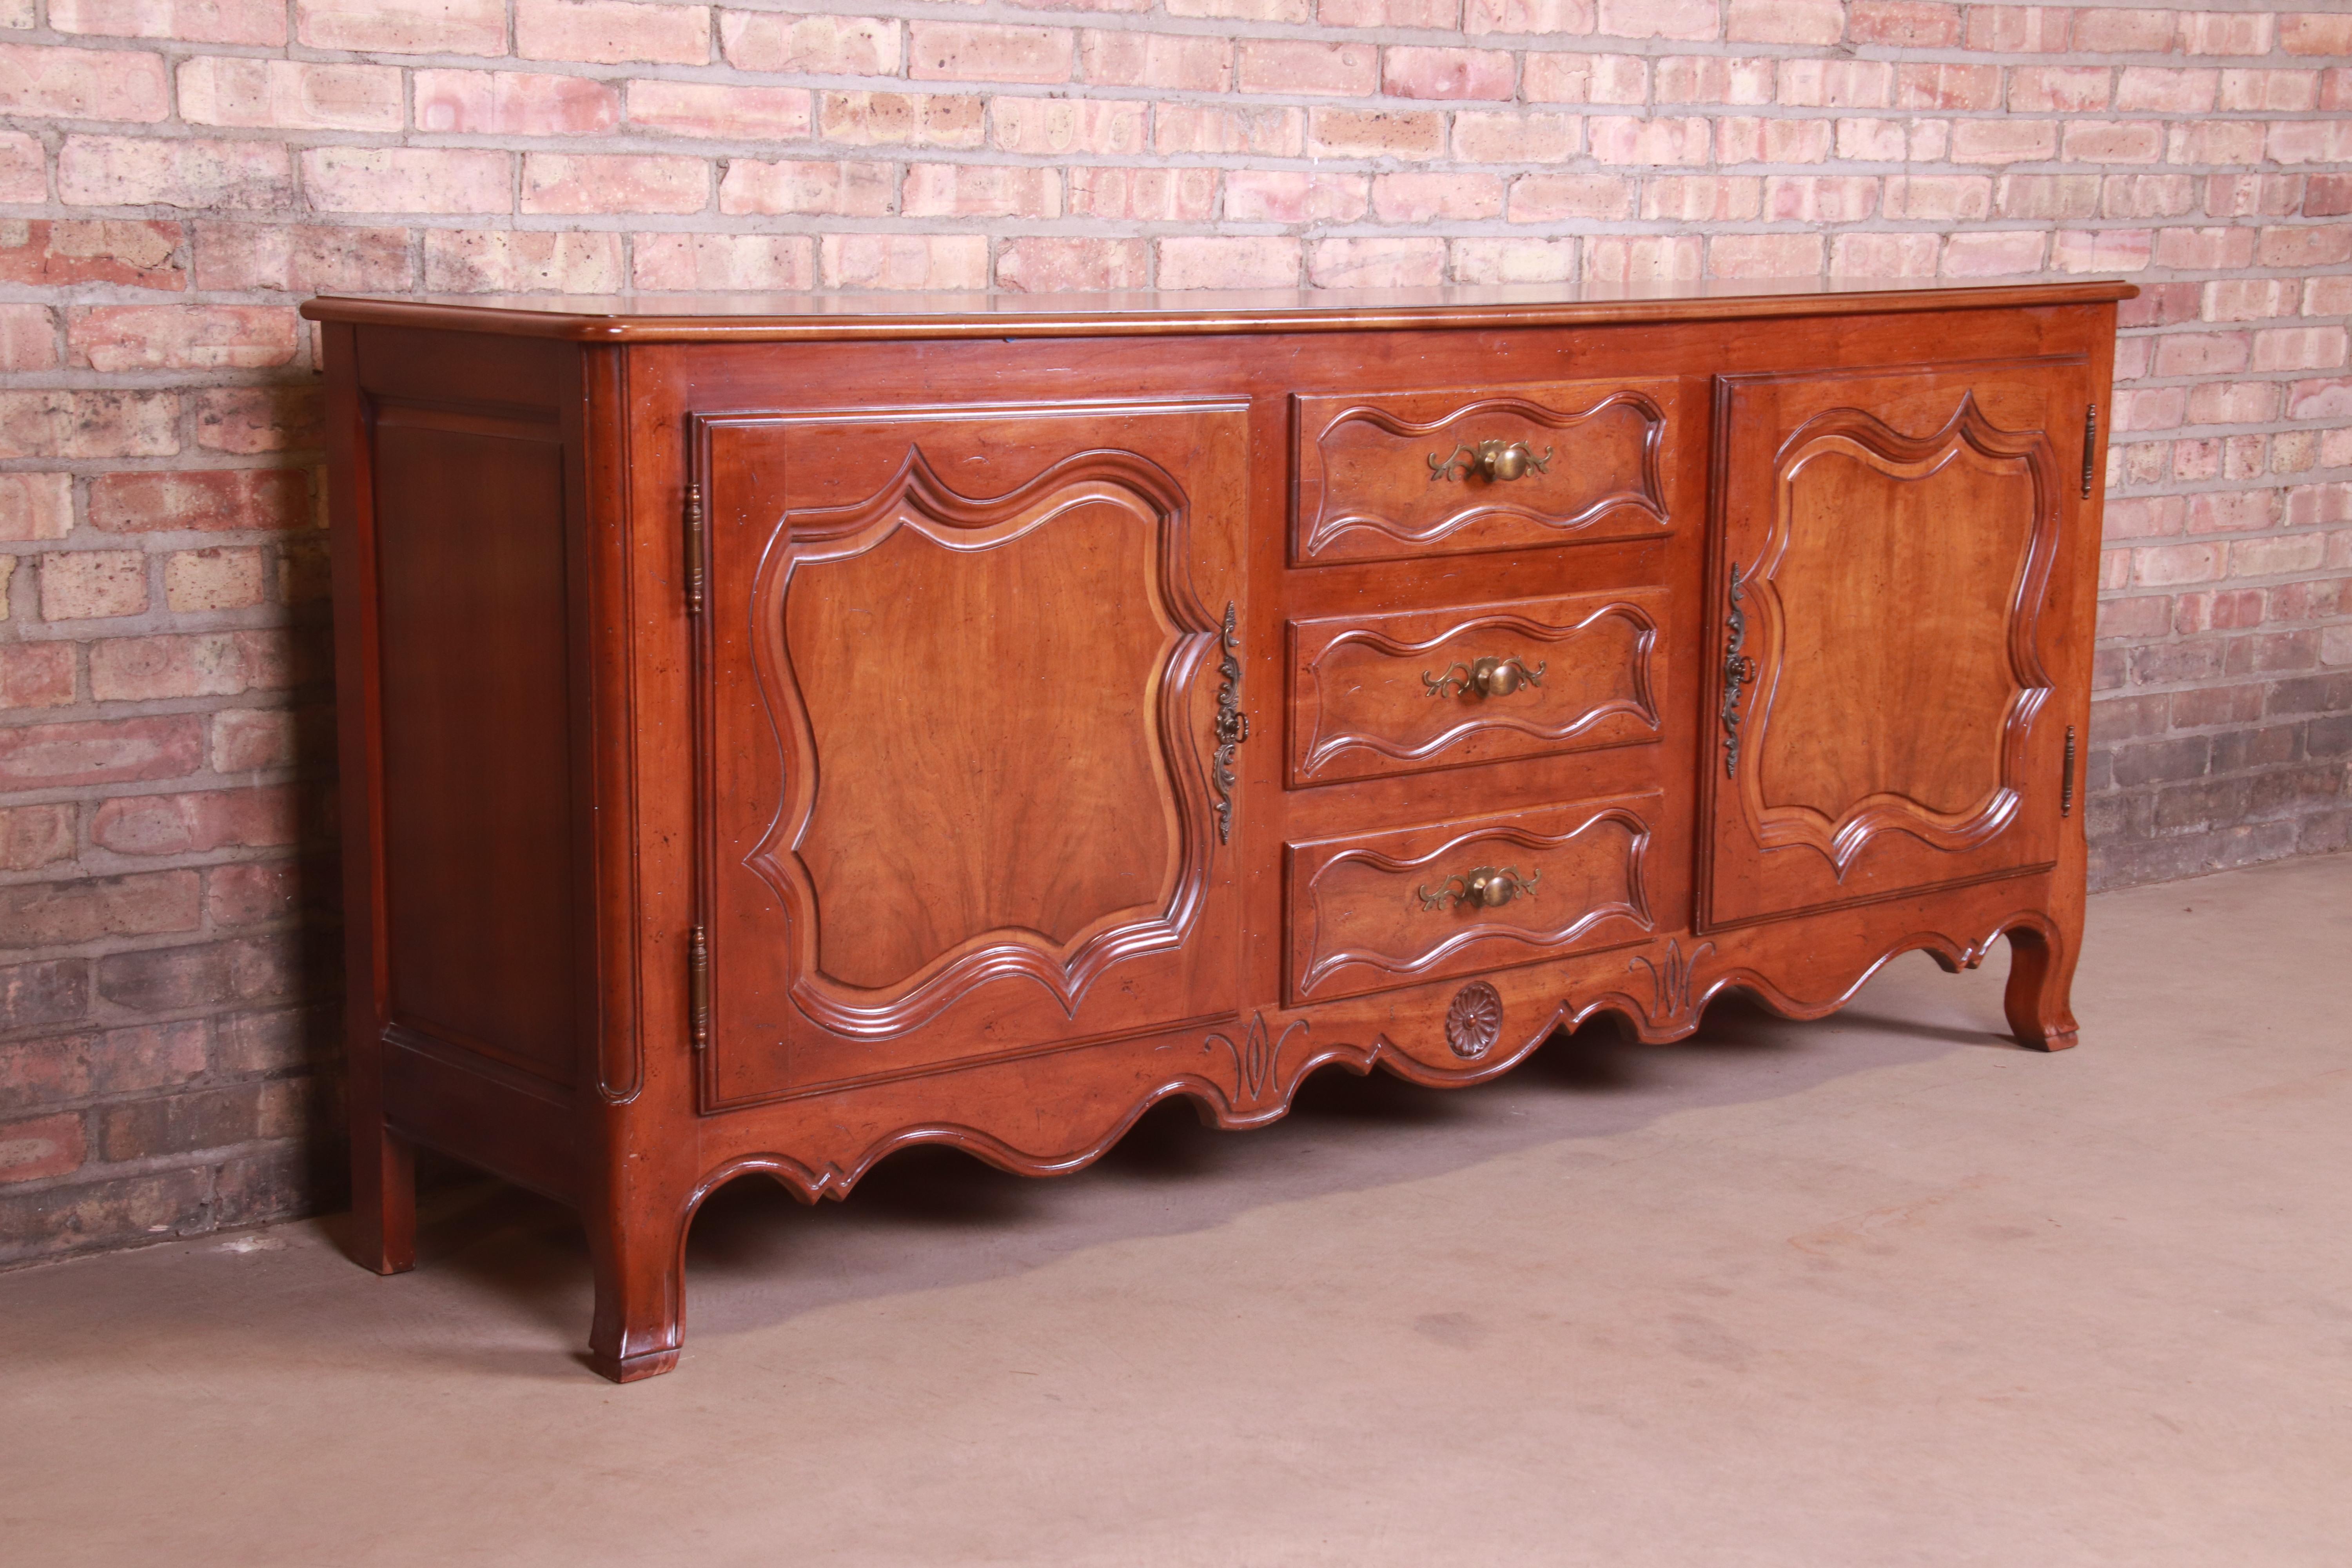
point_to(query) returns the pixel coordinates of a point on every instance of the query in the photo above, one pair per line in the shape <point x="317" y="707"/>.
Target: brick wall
<point x="176" y="174"/>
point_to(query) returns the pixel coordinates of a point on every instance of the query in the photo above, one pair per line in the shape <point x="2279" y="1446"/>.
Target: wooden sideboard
<point x="779" y="729"/>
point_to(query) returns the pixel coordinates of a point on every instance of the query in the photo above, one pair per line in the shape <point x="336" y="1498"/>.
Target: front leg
<point x="640" y="1267"/>
<point x="2041" y="988"/>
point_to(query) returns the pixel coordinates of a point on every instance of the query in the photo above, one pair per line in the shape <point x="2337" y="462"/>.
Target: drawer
<point x="1382" y="909"/>
<point x="1378" y="695"/>
<point x="1405" y="475"/>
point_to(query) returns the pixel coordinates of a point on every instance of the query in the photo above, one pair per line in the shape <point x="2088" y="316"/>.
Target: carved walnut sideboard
<point x="779" y="729"/>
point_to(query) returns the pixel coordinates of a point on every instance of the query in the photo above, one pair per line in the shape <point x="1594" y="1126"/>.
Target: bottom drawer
<point x="1382" y="909"/>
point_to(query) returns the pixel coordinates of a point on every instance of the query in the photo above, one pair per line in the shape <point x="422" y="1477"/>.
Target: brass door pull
<point x="1486" y="888"/>
<point x="1495" y="459"/>
<point x="1487" y="678"/>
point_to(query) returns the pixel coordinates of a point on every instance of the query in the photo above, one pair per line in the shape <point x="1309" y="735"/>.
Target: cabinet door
<point x="1891" y="610"/>
<point x="969" y="711"/>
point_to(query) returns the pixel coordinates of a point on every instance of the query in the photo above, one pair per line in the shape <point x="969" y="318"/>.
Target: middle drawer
<point x="1372" y="695"/>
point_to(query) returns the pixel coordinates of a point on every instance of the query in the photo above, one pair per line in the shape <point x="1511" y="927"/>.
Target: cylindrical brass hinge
<point x="694" y="549"/>
<point x="2066" y="787"/>
<point x="697" y="989"/>
<point x="2090" y="447"/>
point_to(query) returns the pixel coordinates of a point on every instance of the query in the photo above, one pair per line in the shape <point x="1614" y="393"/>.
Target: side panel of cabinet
<point x="1891" y="629"/>
<point x="965" y="759"/>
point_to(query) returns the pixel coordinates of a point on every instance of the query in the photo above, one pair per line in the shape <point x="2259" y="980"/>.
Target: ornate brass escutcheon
<point x="1487" y="888"/>
<point x="1738" y="670"/>
<point x="1494" y="459"/>
<point x="1487" y="678"/>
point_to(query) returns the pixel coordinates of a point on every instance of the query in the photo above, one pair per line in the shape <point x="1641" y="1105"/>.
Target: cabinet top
<point x="750" y="318"/>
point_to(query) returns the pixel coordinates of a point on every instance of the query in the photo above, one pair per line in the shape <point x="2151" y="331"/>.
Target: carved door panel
<point x="968" y="717"/>
<point x="1888" y="625"/>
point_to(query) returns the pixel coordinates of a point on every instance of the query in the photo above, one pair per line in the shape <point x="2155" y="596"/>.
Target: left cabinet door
<point x="969" y="705"/>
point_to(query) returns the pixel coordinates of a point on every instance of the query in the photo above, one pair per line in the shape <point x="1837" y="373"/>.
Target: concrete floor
<point x="1879" y="1290"/>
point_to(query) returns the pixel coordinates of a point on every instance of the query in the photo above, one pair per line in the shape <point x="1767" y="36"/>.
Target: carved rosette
<point x="1473" y="1021"/>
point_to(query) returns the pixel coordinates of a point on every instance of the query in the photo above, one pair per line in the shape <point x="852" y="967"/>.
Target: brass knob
<point x="1494" y="458"/>
<point x="1487" y="887"/>
<point x="1489" y="677"/>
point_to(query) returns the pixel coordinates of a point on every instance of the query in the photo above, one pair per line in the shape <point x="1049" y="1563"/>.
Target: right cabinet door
<point x="1891" y="582"/>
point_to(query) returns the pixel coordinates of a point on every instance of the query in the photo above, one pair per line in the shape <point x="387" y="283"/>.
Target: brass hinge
<point x="695" y="550"/>
<point x="2090" y="447"/>
<point x="697" y="989"/>
<point x="2066" y="788"/>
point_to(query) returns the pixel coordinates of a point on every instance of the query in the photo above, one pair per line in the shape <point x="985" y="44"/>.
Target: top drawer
<point x="1401" y="475"/>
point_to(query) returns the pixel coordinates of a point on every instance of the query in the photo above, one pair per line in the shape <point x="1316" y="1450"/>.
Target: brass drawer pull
<point x="1487" y="678"/>
<point x="1486" y="888"/>
<point x="1496" y="460"/>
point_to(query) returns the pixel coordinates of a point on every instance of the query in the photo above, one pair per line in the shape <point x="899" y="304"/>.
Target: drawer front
<point x="1378" y="695"/>
<point x="1404" y="475"/>
<point x="1383" y="910"/>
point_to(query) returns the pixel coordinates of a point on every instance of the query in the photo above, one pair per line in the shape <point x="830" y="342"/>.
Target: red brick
<point x="980" y="51"/>
<point x="28" y="337"/>
<point x="34" y="506"/>
<point x="1703" y="198"/>
<point x="929" y="261"/>
<point x="1261" y="261"/>
<point x="408" y="179"/>
<point x="716" y="112"/>
<point x="1270" y="131"/>
<point x="215" y="1118"/>
<point x="1705" y="79"/>
<point x="1653" y="143"/>
<point x="302" y="258"/>
<point x="2311" y="32"/>
<point x="981" y="190"/>
<point x="248" y="739"/>
<point x="66" y="914"/>
<point x="245" y="969"/>
<point x="1821" y="198"/>
<point x="2328" y="196"/>
<point x="1415" y="72"/>
<point x="2019" y="29"/>
<point x="51" y="756"/>
<point x="220" y="499"/>
<point x="902" y="119"/>
<point x="1056" y="126"/>
<point x="403" y="27"/>
<point x="1376" y="134"/>
<point x="290" y="94"/>
<point x="1785" y="21"/>
<point x="24" y="170"/>
<point x="1766" y="255"/>
<point x="528" y="261"/>
<point x="1422" y="198"/>
<point x="1515" y="260"/>
<point x="514" y="103"/>
<point x="1646" y="258"/>
<point x="256" y="893"/>
<point x="93" y="585"/>
<point x="1294" y="196"/>
<point x="1836" y="84"/>
<point x="1300" y="66"/>
<point x="1939" y="197"/>
<point x="2064" y="90"/>
<point x="181" y="337"/>
<point x="1695" y="20"/>
<point x="197" y="664"/>
<point x="1904" y="25"/>
<point x="1556" y="198"/>
<point x="101" y="1062"/>
<point x="1585" y="78"/>
<point x="192" y="172"/>
<point x="1431" y="14"/>
<point x="1887" y="255"/>
<point x="51" y="81"/>
<point x="1377" y="263"/>
<point x="2004" y="141"/>
<point x="1500" y="137"/>
<point x="181" y="21"/>
<point x="612" y="32"/>
<point x="1244" y="10"/>
<point x="2108" y="32"/>
<point x="1537" y="16"/>
<point x="566" y="183"/>
<point x="198" y="821"/>
<point x="829" y="46"/>
<point x="807" y="185"/>
<point x="45" y="1146"/>
<point x="88" y="424"/>
<point x="37" y="674"/>
<point x="254" y="419"/>
<point x="133" y="252"/>
<point x="1038" y="264"/>
<point x="725" y="261"/>
<point x="1170" y="62"/>
<point x="32" y="836"/>
<point x="2102" y="249"/>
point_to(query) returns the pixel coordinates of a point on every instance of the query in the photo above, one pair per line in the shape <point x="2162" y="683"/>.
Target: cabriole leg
<point x="2040" y="986"/>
